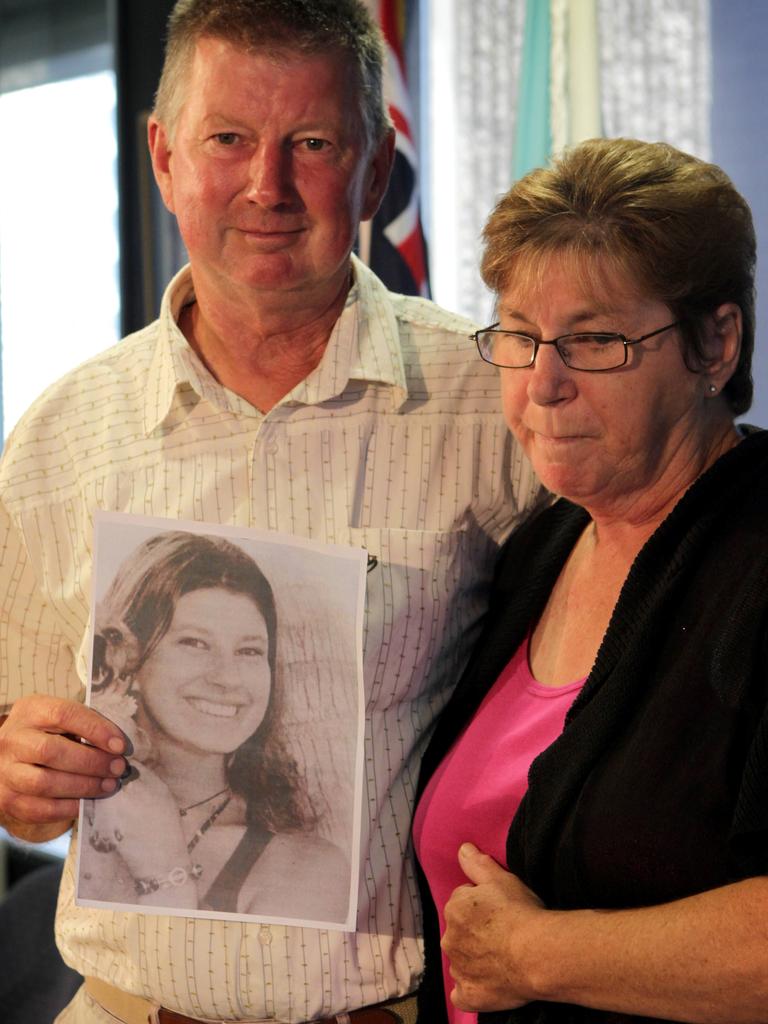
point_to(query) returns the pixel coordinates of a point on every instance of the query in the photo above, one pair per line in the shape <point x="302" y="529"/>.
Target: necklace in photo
<point x="209" y="820"/>
<point x="189" y="807"/>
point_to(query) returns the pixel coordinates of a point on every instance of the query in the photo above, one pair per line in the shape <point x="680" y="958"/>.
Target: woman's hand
<point x="703" y="958"/>
<point x="141" y="823"/>
<point x="489" y="935"/>
<point x="133" y="848"/>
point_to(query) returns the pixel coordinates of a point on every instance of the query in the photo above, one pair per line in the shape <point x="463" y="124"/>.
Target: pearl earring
<point x="712" y="389"/>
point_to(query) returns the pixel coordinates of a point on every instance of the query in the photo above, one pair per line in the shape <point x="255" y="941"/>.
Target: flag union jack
<point x="397" y="251"/>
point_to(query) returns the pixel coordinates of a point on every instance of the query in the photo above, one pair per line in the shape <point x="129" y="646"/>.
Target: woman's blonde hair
<point x="672" y="224"/>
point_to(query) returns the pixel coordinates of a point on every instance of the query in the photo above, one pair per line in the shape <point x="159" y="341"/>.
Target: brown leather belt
<point x="370" y="1015"/>
<point x="134" y="1010"/>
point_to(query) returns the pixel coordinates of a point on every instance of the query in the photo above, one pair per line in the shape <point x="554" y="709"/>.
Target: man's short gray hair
<point x="311" y="27"/>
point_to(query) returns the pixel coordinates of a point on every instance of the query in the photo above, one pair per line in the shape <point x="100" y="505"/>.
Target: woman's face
<point x="606" y="440"/>
<point x="206" y="685"/>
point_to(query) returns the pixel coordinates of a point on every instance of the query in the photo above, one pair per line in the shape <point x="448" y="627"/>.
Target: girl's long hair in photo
<point x="135" y="615"/>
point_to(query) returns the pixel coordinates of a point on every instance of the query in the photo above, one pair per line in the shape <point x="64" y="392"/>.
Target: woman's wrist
<point x="575" y="956"/>
<point x="140" y="862"/>
<point x="176" y="877"/>
<point x="542" y="953"/>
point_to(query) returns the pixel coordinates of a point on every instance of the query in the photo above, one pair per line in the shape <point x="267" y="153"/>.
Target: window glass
<point x="59" y="289"/>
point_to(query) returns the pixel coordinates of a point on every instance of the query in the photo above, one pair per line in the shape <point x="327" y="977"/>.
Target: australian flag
<point x="396" y="249"/>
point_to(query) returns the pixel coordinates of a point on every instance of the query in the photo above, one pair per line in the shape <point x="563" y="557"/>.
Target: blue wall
<point x="740" y="142"/>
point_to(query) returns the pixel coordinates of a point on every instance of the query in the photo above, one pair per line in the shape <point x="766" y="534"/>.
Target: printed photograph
<point x="232" y="661"/>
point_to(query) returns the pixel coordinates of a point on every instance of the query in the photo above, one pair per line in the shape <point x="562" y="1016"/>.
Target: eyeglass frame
<point x="538" y="342"/>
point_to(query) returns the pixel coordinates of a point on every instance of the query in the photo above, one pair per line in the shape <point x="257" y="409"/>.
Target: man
<point x="282" y="387"/>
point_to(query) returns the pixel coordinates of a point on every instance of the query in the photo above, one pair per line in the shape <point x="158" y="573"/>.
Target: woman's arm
<point x="139" y="831"/>
<point x="702" y="959"/>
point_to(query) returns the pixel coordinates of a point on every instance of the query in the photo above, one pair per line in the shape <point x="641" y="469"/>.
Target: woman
<point x="213" y="815"/>
<point x="594" y="828"/>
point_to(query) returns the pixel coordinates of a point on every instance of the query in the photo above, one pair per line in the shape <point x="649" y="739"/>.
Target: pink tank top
<point x="475" y="792"/>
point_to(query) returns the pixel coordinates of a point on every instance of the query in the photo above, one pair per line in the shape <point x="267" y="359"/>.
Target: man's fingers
<point x="66" y="755"/>
<point x="36" y="796"/>
<point x="26" y="810"/>
<point x="68" y="717"/>
<point x="45" y="769"/>
<point x="42" y="783"/>
<point x="47" y="731"/>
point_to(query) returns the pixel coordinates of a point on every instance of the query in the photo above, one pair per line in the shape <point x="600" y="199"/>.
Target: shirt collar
<point x="364" y="345"/>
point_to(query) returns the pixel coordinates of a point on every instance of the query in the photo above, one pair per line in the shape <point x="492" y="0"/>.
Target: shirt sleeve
<point x="35" y="656"/>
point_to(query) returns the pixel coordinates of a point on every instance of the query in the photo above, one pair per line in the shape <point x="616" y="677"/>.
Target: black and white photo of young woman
<point x="235" y="675"/>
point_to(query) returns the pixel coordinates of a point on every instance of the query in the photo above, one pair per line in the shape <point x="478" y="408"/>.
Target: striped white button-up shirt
<point x="393" y="443"/>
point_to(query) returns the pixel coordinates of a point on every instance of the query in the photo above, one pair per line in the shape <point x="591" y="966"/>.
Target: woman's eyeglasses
<point x="593" y="351"/>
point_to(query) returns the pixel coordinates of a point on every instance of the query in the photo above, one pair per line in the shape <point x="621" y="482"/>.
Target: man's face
<point x="268" y="171"/>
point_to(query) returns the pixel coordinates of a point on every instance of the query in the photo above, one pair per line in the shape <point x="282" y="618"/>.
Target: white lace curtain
<point x="654" y="84"/>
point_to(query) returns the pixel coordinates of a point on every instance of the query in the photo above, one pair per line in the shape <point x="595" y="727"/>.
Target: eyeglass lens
<point x="579" y="351"/>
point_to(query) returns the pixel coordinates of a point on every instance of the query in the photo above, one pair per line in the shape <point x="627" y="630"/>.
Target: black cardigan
<point x="658" y="786"/>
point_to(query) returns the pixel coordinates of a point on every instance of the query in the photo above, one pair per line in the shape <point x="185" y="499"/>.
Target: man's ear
<point x="723" y="344"/>
<point x="160" y="152"/>
<point x="379" y="170"/>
